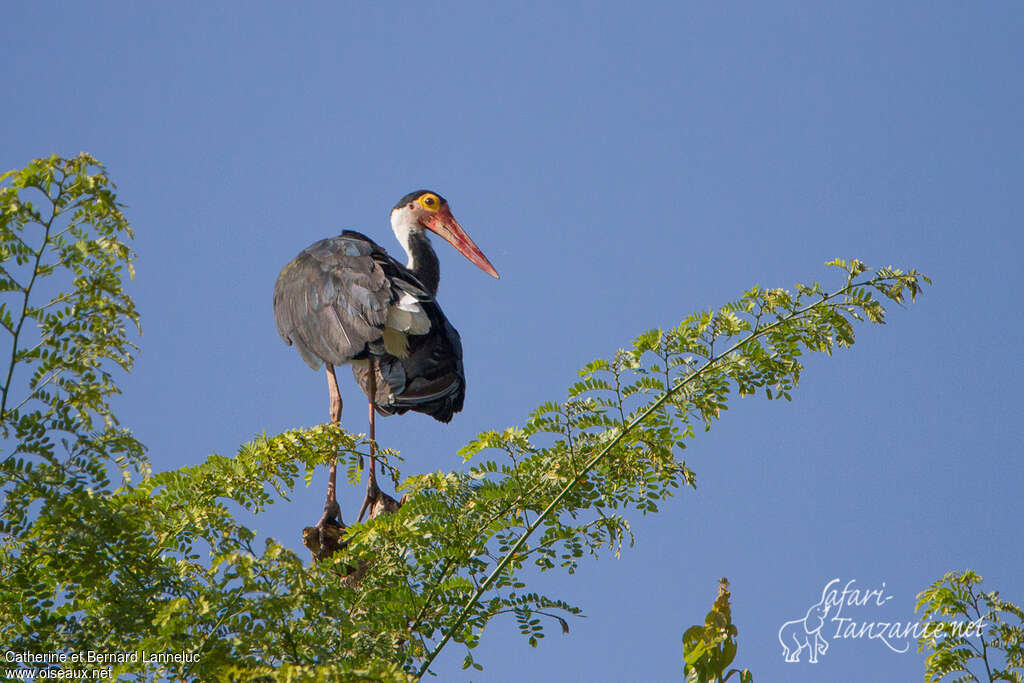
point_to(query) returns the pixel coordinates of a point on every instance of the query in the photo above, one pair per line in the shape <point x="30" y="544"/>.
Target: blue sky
<point x="621" y="165"/>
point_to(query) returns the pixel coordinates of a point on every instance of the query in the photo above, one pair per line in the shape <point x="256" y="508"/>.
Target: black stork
<point x="344" y="300"/>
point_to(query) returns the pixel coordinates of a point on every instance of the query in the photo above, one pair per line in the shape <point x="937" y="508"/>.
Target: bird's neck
<point x="422" y="260"/>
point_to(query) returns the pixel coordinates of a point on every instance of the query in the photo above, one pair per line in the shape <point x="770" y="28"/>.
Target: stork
<point x="345" y="300"/>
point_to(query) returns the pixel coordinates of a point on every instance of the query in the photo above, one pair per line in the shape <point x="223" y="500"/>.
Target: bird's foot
<point x="373" y="494"/>
<point x="331" y="516"/>
<point x="325" y="538"/>
<point x="378" y="503"/>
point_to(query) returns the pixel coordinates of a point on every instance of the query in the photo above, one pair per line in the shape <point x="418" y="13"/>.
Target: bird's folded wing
<point x="333" y="299"/>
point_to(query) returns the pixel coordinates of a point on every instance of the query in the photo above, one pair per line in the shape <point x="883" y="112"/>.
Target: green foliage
<point x="64" y="316"/>
<point x="969" y="628"/>
<point x="161" y="565"/>
<point x="709" y="649"/>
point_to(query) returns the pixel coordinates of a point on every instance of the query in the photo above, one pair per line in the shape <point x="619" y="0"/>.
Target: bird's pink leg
<point x="372" y="491"/>
<point x="332" y="511"/>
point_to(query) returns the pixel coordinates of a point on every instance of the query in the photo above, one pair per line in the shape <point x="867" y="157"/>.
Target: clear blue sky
<point x="622" y="165"/>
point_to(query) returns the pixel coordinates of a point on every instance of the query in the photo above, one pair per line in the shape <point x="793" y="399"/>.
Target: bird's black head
<point x="413" y="196"/>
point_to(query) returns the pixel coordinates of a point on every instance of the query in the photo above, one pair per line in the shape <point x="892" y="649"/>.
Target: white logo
<point x="801" y="634"/>
<point x="824" y="621"/>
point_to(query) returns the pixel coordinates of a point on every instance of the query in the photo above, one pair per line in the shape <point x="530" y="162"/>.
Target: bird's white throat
<point x="404" y="224"/>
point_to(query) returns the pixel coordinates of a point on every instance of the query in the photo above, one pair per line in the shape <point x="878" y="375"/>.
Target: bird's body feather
<point x="344" y="299"/>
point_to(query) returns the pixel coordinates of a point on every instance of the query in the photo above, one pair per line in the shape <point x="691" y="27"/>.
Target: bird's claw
<point x="332" y="514"/>
<point x="373" y="494"/>
<point x="330" y="525"/>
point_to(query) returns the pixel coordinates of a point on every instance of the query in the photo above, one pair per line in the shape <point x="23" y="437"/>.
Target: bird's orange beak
<point x="444" y="224"/>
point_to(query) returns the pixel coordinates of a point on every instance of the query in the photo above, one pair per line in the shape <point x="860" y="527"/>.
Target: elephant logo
<point x="800" y="634"/>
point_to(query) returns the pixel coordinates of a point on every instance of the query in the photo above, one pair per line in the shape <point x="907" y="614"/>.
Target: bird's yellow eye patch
<point x="430" y="201"/>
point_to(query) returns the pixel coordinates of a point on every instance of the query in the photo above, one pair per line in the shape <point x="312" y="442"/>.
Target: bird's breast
<point x="405" y="316"/>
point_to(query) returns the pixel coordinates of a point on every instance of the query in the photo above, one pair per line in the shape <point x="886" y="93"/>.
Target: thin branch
<point x="450" y="564"/>
<point x="58" y="300"/>
<point x="6" y="273"/>
<point x="24" y="310"/>
<point x="984" y="645"/>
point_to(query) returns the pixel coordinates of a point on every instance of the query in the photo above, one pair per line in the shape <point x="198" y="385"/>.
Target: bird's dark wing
<point x="336" y="296"/>
<point x="439" y="387"/>
<point x="430" y="379"/>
